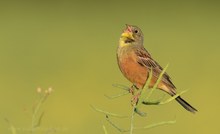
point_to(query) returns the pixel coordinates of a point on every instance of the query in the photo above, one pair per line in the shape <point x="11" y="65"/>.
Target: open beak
<point x="128" y="32"/>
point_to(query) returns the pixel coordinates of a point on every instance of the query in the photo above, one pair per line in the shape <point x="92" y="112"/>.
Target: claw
<point x="134" y="99"/>
<point x="132" y="89"/>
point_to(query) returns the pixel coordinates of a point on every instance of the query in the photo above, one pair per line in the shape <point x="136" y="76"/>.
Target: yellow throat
<point x="124" y="36"/>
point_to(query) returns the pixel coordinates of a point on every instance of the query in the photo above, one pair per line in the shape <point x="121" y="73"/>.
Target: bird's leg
<point x="134" y="99"/>
<point x="134" y="103"/>
<point x="132" y="89"/>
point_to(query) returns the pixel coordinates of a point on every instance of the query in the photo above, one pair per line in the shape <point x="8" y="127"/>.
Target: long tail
<point x="186" y="105"/>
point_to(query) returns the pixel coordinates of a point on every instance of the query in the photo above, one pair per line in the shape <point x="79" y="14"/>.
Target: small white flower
<point x="50" y="89"/>
<point x="39" y="90"/>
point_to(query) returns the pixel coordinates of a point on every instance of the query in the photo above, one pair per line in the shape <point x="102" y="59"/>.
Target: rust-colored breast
<point x="133" y="71"/>
<point x="138" y="73"/>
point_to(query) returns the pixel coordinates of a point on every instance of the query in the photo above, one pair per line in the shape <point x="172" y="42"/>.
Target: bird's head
<point x="131" y="35"/>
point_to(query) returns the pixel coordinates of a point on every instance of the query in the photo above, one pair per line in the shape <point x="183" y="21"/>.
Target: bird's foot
<point x="134" y="99"/>
<point x="134" y="103"/>
<point x="132" y="89"/>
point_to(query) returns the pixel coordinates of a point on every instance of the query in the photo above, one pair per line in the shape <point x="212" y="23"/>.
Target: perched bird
<point x="135" y="63"/>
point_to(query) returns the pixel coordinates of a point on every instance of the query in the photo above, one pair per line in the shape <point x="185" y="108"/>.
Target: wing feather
<point x="145" y="59"/>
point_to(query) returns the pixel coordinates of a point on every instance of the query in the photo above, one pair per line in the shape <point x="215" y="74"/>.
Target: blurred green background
<point x="71" y="47"/>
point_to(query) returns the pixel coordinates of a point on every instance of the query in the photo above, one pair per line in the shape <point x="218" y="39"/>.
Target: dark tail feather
<point x="186" y="105"/>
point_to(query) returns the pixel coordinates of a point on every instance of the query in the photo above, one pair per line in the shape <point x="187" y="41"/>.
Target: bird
<point x="135" y="63"/>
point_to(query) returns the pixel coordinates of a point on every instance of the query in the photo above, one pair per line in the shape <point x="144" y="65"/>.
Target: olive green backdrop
<point x="71" y="46"/>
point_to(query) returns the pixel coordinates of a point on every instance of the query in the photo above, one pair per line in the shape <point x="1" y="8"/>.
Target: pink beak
<point x="128" y="28"/>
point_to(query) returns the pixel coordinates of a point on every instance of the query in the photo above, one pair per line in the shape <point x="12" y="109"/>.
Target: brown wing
<point x="144" y="59"/>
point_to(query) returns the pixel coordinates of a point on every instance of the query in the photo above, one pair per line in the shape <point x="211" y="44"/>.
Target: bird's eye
<point x="135" y="31"/>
